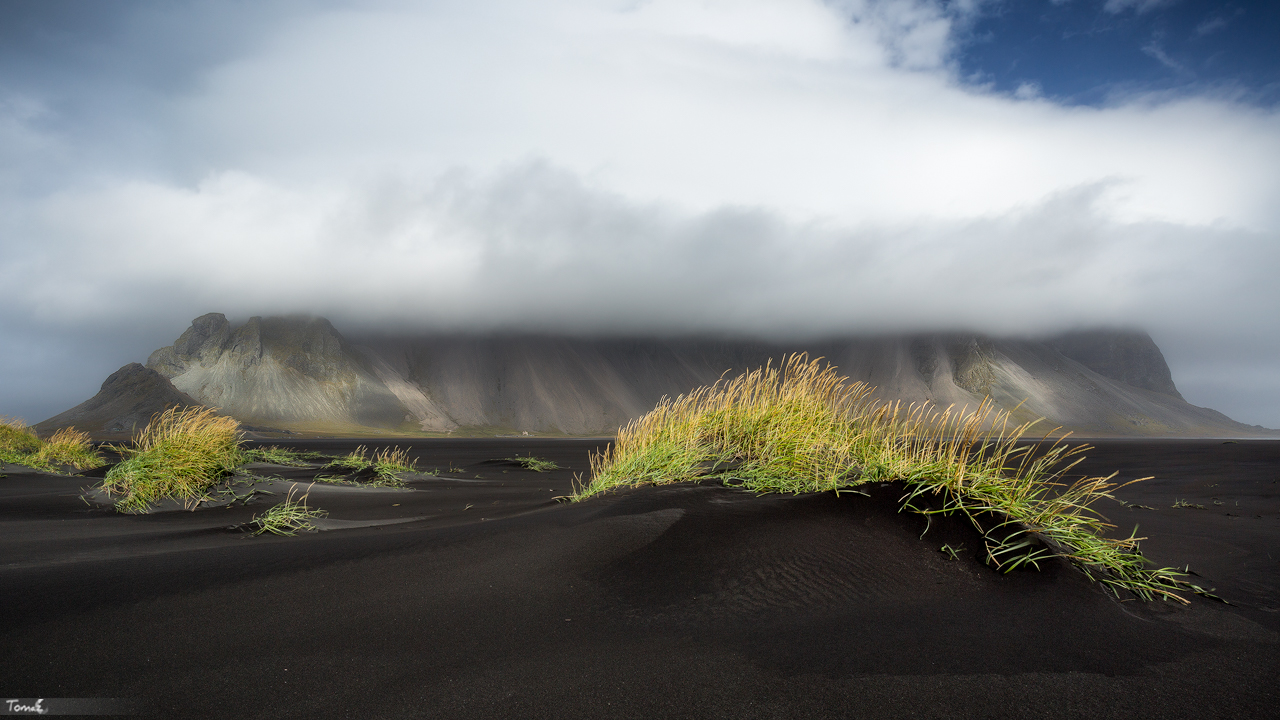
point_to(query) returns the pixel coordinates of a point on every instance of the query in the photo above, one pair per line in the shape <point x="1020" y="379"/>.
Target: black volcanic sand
<point x="681" y="601"/>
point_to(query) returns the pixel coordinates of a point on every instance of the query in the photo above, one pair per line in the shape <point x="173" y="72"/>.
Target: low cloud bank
<point x="536" y="248"/>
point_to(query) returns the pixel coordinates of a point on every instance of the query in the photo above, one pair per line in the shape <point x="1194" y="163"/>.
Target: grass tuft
<point x="386" y="465"/>
<point x="798" y="427"/>
<point x="393" y="460"/>
<point x="181" y="454"/>
<point x="17" y="441"/>
<point x="20" y="445"/>
<point x="276" y="455"/>
<point x="69" y="446"/>
<point x="289" y="517"/>
<point x="534" y="463"/>
<point x="354" y="461"/>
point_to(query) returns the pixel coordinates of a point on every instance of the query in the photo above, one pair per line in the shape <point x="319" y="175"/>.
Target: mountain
<point x="127" y="400"/>
<point x="301" y="374"/>
<point x="282" y="372"/>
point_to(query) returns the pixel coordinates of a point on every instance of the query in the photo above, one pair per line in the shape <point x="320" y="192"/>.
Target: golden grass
<point x="68" y="447"/>
<point x="17" y="440"/>
<point x="393" y="460"/>
<point x="181" y="454"/>
<point x="799" y="427"/>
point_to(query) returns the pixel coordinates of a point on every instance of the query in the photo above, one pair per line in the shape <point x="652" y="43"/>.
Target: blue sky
<point x="587" y="165"/>
<point x="1086" y="52"/>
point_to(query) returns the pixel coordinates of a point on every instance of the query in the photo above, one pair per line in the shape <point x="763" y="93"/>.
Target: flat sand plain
<point x="476" y="594"/>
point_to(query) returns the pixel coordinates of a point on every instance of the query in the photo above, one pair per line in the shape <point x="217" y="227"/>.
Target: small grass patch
<point x="393" y="460"/>
<point x="181" y="454"/>
<point x="17" y="441"/>
<point x="354" y="461"/>
<point x="68" y="447"/>
<point x="799" y="427"/>
<point x="289" y="517"/>
<point x="381" y="469"/>
<point x="534" y="463"/>
<point x="281" y="456"/>
<point x="335" y="480"/>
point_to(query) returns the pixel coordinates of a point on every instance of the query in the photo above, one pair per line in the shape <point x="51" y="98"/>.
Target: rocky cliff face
<point x="291" y="371"/>
<point x="1128" y="356"/>
<point x="302" y="374"/>
<point x="585" y="386"/>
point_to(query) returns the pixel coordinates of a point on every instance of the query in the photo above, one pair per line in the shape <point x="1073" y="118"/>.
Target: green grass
<point x="386" y="465"/>
<point x="289" y="517"/>
<point x="17" y="441"/>
<point x="181" y="454"/>
<point x="801" y="428"/>
<point x="354" y="461"/>
<point x="533" y="463"/>
<point x="276" y="455"/>
<point x="68" y="447"/>
<point x="335" y="480"/>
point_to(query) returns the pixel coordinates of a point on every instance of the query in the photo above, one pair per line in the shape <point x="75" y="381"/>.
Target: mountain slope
<point x="302" y="374"/>
<point x="127" y="400"/>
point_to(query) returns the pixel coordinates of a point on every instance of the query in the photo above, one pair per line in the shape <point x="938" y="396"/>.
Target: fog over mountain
<point x="784" y="170"/>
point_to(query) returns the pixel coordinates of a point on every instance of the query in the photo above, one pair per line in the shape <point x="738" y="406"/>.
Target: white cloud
<point x="707" y="107"/>
<point x="1212" y="25"/>
<point x="576" y="164"/>
<point x="535" y="247"/>
<point x="1155" y="49"/>
<point x="1138" y="6"/>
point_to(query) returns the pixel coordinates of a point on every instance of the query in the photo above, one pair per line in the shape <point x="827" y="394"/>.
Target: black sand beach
<point x="486" y="597"/>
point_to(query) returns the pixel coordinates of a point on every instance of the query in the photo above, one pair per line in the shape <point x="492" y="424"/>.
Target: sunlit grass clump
<point x="181" y="454"/>
<point x="801" y="428"/>
<point x="17" y="440"/>
<point x="386" y="464"/>
<point x="68" y="447"/>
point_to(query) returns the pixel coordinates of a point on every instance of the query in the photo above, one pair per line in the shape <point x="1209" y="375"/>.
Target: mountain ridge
<point x="301" y="374"/>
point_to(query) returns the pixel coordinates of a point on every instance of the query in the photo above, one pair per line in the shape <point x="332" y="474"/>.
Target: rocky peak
<point x="206" y="336"/>
<point x="1129" y="356"/>
<point x="244" y="348"/>
<point x="311" y="346"/>
<point x="202" y="342"/>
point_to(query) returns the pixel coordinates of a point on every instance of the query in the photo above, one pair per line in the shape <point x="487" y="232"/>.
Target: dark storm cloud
<point x="763" y="166"/>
